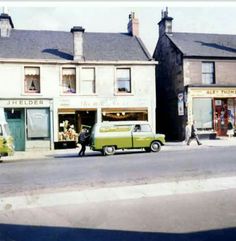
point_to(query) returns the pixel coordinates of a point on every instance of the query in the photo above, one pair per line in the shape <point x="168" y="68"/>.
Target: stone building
<point x="55" y="82"/>
<point x="195" y="80"/>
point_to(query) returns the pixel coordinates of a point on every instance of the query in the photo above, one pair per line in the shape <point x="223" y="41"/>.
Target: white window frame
<point x="34" y="71"/>
<point x="130" y="81"/>
<point x="63" y="88"/>
<point x="92" y="81"/>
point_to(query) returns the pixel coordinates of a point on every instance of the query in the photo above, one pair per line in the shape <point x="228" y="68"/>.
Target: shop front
<point x="29" y="122"/>
<point x="213" y="108"/>
<point x="72" y="115"/>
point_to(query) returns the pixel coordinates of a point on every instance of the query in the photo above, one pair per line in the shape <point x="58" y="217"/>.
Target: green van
<point x="107" y="137"/>
<point x="6" y="140"/>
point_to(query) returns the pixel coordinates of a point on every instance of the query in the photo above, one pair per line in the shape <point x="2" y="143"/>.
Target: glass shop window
<point x="202" y="113"/>
<point x="38" y="124"/>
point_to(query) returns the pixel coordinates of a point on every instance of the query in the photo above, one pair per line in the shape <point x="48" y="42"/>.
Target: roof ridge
<point x="204" y="33"/>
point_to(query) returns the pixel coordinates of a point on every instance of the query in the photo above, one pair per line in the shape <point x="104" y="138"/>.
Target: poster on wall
<point x="180" y="104"/>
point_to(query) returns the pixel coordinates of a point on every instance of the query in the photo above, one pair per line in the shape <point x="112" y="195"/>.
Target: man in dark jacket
<point x="83" y="140"/>
<point x="194" y="134"/>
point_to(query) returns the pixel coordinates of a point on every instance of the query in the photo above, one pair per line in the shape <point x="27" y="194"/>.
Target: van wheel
<point x="109" y="150"/>
<point x="155" y="146"/>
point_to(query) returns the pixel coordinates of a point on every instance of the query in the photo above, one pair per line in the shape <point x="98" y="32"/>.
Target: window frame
<point x="130" y="81"/>
<point x="63" y="91"/>
<point x="93" y="81"/>
<point x="212" y="74"/>
<point x="28" y="91"/>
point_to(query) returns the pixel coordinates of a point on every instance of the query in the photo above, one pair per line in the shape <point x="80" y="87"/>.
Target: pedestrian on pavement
<point x="83" y="140"/>
<point x="230" y="129"/>
<point x="187" y="132"/>
<point x="194" y="134"/>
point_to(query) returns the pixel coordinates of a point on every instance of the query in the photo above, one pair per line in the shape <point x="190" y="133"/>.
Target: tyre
<point x="109" y="150"/>
<point x="155" y="146"/>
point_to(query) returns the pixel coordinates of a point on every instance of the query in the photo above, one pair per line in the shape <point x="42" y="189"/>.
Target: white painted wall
<point x="143" y="89"/>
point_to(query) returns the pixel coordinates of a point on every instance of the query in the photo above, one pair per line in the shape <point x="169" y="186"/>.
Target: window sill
<point x="32" y="94"/>
<point x="124" y="94"/>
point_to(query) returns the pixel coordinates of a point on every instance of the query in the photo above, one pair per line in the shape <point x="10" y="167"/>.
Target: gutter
<point x="72" y="62"/>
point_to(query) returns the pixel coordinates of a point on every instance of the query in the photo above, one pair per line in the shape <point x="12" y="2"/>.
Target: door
<point x="221" y="117"/>
<point x="16" y="122"/>
<point x="142" y="136"/>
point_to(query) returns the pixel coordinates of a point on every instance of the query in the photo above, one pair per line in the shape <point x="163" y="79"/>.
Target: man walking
<point x="193" y="134"/>
<point x="83" y="140"/>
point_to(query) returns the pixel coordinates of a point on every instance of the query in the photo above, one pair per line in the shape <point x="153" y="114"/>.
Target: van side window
<point x="146" y="128"/>
<point x="1" y="132"/>
<point x="137" y="128"/>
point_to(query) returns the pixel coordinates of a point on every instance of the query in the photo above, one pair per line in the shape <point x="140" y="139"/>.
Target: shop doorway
<point x="16" y="121"/>
<point x="86" y="118"/>
<point x="72" y="121"/>
<point x="224" y="115"/>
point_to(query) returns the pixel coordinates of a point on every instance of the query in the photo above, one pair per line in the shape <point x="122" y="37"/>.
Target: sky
<point x="112" y="16"/>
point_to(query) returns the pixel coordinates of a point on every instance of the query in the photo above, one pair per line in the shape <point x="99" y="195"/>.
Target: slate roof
<point x="58" y="45"/>
<point x="205" y="45"/>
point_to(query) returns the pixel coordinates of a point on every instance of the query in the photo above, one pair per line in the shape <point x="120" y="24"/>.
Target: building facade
<point x="53" y="82"/>
<point x="195" y="81"/>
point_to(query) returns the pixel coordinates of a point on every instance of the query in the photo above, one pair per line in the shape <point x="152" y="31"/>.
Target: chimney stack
<point x="133" y="25"/>
<point x="6" y="24"/>
<point x="78" y="34"/>
<point x="165" y="25"/>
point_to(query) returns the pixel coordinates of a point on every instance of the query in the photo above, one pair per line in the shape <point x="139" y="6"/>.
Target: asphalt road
<point x="208" y="216"/>
<point x="68" y="171"/>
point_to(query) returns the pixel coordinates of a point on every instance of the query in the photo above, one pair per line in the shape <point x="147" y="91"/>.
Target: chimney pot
<point x="6" y="25"/>
<point x="133" y="25"/>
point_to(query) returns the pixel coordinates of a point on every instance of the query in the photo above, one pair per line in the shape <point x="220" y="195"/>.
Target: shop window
<point x="38" y="124"/>
<point x="123" y="80"/>
<point x="208" y="73"/>
<point x="202" y="113"/>
<point x="68" y="80"/>
<point x="32" y="80"/>
<point x="109" y="115"/>
<point x="87" y="81"/>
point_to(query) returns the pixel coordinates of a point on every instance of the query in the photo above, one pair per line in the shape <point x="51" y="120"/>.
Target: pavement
<point x="169" y="146"/>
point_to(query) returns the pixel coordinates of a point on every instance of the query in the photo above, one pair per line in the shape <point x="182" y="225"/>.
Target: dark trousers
<point x="83" y="148"/>
<point x="194" y="137"/>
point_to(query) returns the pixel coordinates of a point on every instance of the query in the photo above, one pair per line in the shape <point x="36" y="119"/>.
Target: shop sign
<point x="219" y="92"/>
<point x="24" y="103"/>
<point x="103" y="102"/>
<point x="180" y="104"/>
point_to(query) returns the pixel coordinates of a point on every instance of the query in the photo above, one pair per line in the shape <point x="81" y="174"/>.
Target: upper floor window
<point x="32" y="80"/>
<point x="208" y="73"/>
<point x="68" y="80"/>
<point x="123" y="79"/>
<point x="87" y="85"/>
